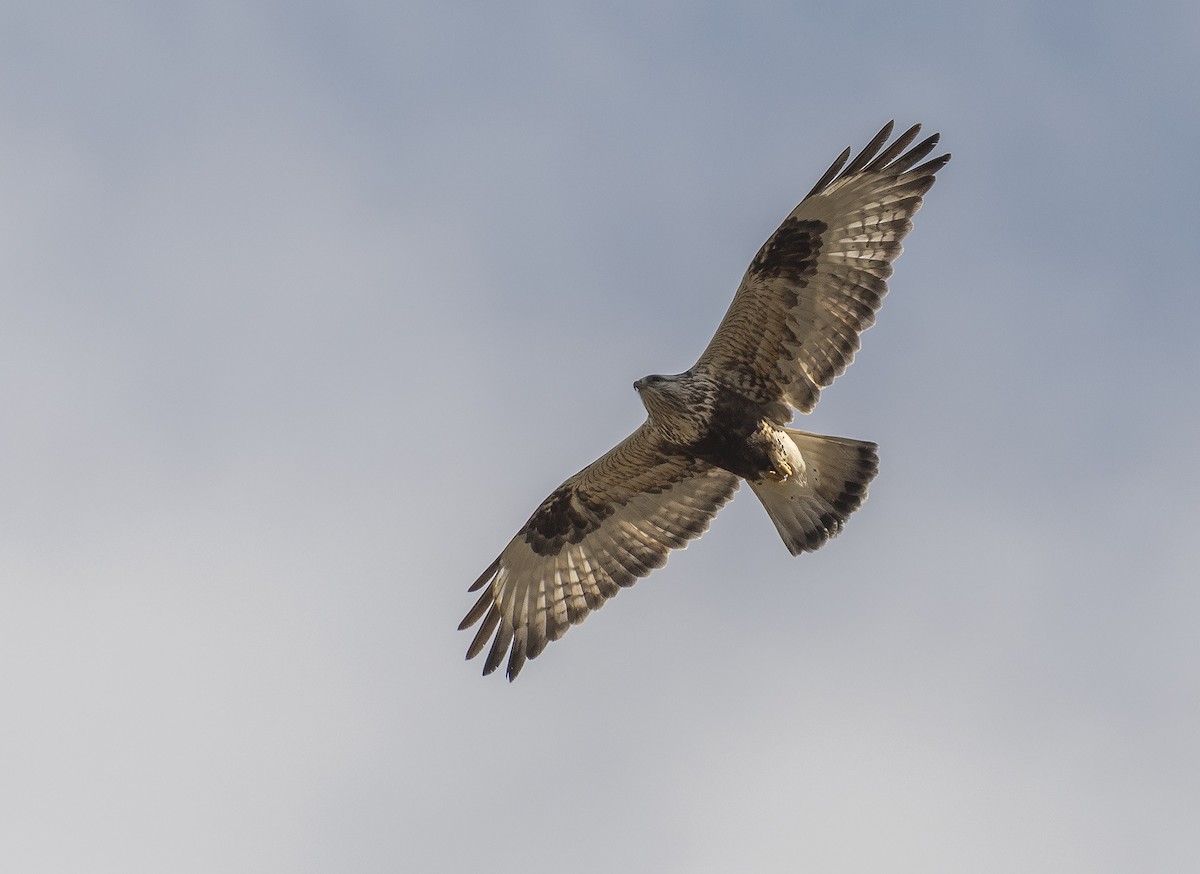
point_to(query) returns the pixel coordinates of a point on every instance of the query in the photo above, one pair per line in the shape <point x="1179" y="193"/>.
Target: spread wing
<point x="817" y="283"/>
<point x="602" y="529"/>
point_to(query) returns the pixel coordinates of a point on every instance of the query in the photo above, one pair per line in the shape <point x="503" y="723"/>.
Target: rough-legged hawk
<point x="793" y="326"/>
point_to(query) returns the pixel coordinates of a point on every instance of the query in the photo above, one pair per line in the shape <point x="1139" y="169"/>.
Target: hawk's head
<point x="677" y="404"/>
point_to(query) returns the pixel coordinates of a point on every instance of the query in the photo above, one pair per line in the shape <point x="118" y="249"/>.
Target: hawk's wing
<point x="602" y="529"/>
<point x="817" y="283"/>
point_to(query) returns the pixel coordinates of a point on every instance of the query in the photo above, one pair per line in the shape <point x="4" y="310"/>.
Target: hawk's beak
<point x="637" y="385"/>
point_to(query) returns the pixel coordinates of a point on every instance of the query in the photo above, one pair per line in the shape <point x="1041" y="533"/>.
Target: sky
<point x="304" y="307"/>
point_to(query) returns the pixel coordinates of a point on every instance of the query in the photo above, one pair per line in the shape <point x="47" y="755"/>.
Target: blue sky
<point x="304" y="307"/>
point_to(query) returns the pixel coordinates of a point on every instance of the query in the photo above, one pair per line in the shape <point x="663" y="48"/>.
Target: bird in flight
<point x="793" y="326"/>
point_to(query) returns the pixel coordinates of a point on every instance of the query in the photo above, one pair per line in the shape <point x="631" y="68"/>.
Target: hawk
<point x="793" y="326"/>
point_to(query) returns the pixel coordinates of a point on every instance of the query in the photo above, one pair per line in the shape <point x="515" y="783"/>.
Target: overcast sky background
<point x="304" y="307"/>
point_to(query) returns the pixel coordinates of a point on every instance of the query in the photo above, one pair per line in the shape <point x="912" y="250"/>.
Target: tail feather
<point x="812" y="504"/>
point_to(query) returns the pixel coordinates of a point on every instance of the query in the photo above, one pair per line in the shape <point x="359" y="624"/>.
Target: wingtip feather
<point x="490" y="622"/>
<point x="895" y="149"/>
<point x="868" y="153"/>
<point x="486" y="576"/>
<point x="474" y="614"/>
<point x="504" y="636"/>
<point x="893" y="159"/>
<point x="932" y="166"/>
<point x="832" y="173"/>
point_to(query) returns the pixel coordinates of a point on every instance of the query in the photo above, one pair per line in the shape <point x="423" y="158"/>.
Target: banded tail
<point x="829" y="483"/>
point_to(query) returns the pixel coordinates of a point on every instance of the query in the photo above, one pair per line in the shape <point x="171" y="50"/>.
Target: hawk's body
<point x="793" y="326"/>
